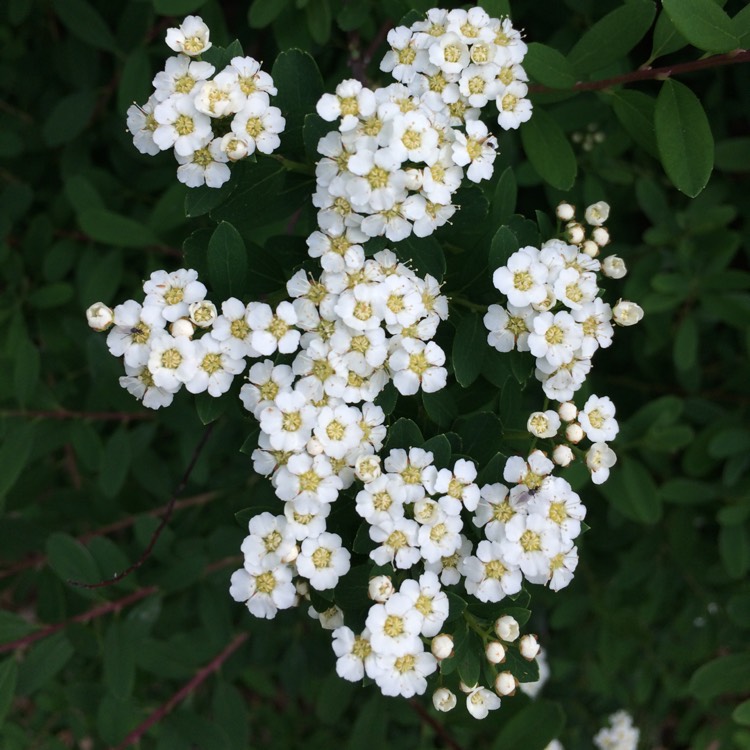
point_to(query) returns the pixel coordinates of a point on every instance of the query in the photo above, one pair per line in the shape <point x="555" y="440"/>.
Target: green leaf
<point x="635" y="111"/>
<point x="741" y="714"/>
<point x="532" y="728"/>
<point x="423" y="254"/>
<point x="703" y="23"/>
<point x="177" y="7"/>
<point x="111" y="228"/>
<point x="549" y="67"/>
<point x="115" y="463"/>
<point x="387" y="399"/>
<point x="219" y="57"/>
<point x="8" y="677"/>
<point x="733" y="154"/>
<point x="135" y="80"/>
<point x="314" y="128"/>
<point x="118" y="655"/>
<point x="83" y="21"/>
<point x="318" y="13"/>
<point x="404" y="433"/>
<point x="503" y="245"/>
<point x="264" y="12"/>
<point x="70" y="559"/>
<point x="42" y="663"/>
<point x="300" y="85"/>
<point x="741" y="24"/>
<point x="684" y="139"/>
<point x="467" y="657"/>
<point x="68" y="118"/>
<point x="199" y="201"/>
<point x="210" y="408"/>
<point x="726" y="674"/>
<point x="666" y="37"/>
<point x="612" y="37"/>
<point x="456" y="605"/>
<point x="14" y="454"/>
<point x="549" y="151"/>
<point x="227" y="262"/>
<point x="631" y="489"/>
<point x="28" y="361"/>
<point x="685" y="347"/>
<point x="440" y="449"/>
<point x="469" y="349"/>
<point x="504" y="197"/>
<point x="441" y="407"/>
<point x="734" y="550"/>
<point x="481" y="434"/>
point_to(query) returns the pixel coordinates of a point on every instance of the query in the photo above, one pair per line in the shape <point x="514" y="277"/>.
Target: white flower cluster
<point x="401" y="152"/>
<point x="555" y="311"/>
<point x="207" y="121"/>
<point x="619" y="735"/>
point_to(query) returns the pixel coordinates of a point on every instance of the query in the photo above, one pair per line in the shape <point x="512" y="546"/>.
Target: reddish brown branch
<point x="98" y="611"/>
<point x="160" y="528"/>
<point x="647" y="74"/>
<point x="197" y="680"/>
<point x="437" y="727"/>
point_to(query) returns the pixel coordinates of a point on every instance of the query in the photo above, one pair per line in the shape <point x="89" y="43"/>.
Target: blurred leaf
<point x="26" y="370"/>
<point x="423" y="254"/>
<point x="549" y="151"/>
<point x="177" y="7"/>
<point x="734" y="549"/>
<point x="83" y="21"/>
<point x="441" y="407"/>
<point x="685" y="348"/>
<point x="211" y="408"/>
<point x="631" y="489"/>
<point x="726" y="674"/>
<point x="264" y="12"/>
<point x="612" y="37"/>
<point x="314" y="128"/>
<point x="42" y="663"/>
<point x="8" y="677"/>
<point x="318" y="13"/>
<point x="70" y="559"/>
<point x="703" y="23"/>
<point x="115" y="465"/>
<point x="111" y="228"/>
<point x="440" y="449"/>
<point x="118" y="653"/>
<point x="469" y="349"/>
<point x="503" y="245"/>
<point x="403" y="433"/>
<point x="504" y="198"/>
<point x="135" y="80"/>
<point x="733" y="154"/>
<point x="683" y="135"/>
<point x="68" y="118"/>
<point x="549" y="67"/>
<point x="741" y="714"/>
<point x="532" y="728"/>
<point x="227" y="262"/>
<point x="14" y="454"/>
<point x="482" y="434"/>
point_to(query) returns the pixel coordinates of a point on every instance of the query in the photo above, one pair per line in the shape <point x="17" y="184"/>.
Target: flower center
<point x="140" y="333"/>
<point x="509" y="102"/>
<point x="530" y="541"/>
<point x="211" y="363"/>
<point x="377" y="177"/>
<point x="438" y="532"/>
<point x="596" y="419"/>
<point x="554" y="336"/>
<point x="362" y="311"/>
<point x="292" y="421"/>
<point x="418" y="363"/>
<point x="411" y="139"/>
<point x="393" y="626"/>
<point x="406" y="55"/>
<point x="269" y="390"/>
<point x="452" y="53"/>
<point x="184" y="125"/>
<point x="557" y="512"/>
<point x="476" y="85"/>
<point x="278" y="327"/>
<point x="349" y="105"/>
<point x="171" y="359"/>
<point x="503" y="512"/>
<point x="309" y="481"/>
<point x="272" y="541"/>
<point x="239" y="329"/>
<point x="494" y="569"/>
<point x="174" y="295"/>
<point x="184" y="84"/>
<point x="335" y="430"/>
<point x="473" y="148"/>
<point x="396" y="540"/>
<point x="382" y="501"/>
<point x="456" y="488"/>
<point x="424" y="605"/>
<point x="321" y="558"/>
<point x="361" y="648"/>
<point x="254" y="126"/>
<point x="193" y="44"/>
<point x="265" y="583"/>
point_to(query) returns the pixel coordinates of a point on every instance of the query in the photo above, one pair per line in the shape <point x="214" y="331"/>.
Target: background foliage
<point x="657" y="618"/>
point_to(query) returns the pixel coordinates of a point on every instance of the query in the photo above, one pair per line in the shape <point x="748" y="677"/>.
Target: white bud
<point x="597" y="213"/>
<point x="302" y="588"/>
<point x="547" y="303"/>
<point x="565" y="212"/>
<point x="614" y="267"/>
<point x="562" y="455"/>
<point x="574" y="432"/>
<point x="444" y="700"/>
<point x="543" y="424"/>
<point x="599" y="460"/>
<point x="367" y="468"/>
<point x="507" y="628"/>
<point x="601" y="236"/>
<point x="442" y="647"/>
<point x="314" y="447"/>
<point x="203" y="314"/>
<point x="464" y="688"/>
<point x="567" y="411"/>
<point x="291" y="556"/>
<point x="234" y="147"/>
<point x="575" y="233"/>
<point x="182" y="327"/>
<point x="626" y="313"/>
<point x="505" y="684"/>
<point x="414" y="179"/>
<point x="332" y="618"/>
<point x="99" y="316"/>
<point x="529" y="647"/>
<point x="590" y="248"/>
<point x="380" y="589"/>
<point x="495" y="652"/>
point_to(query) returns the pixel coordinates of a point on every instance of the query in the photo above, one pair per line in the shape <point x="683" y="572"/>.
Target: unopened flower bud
<point x="495" y="652"/>
<point x="414" y="179"/>
<point x="182" y="327"/>
<point x="314" y="447"/>
<point x="444" y="700"/>
<point x="464" y="688"/>
<point x="567" y="411"/>
<point x="590" y="248"/>
<point x="565" y="212"/>
<point x="505" y="684"/>
<point x="507" y="628"/>
<point x="529" y="647"/>
<point x="99" y="316"/>
<point x="597" y="213"/>
<point x="574" y="433"/>
<point x="575" y="233"/>
<point x="626" y="313"/>
<point x="203" y="314"/>
<point x="235" y="148"/>
<point x="543" y="424"/>
<point x="291" y="556"/>
<point x="562" y="455"/>
<point x="367" y="468"/>
<point x="302" y="588"/>
<point x="601" y="236"/>
<point x="614" y="267"/>
<point x="442" y="647"/>
<point x="380" y="589"/>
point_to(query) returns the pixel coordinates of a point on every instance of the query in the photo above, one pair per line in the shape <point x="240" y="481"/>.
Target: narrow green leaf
<point x="703" y="23"/>
<point x="631" y="489"/>
<point x="666" y="37"/>
<point x="503" y="245"/>
<point x="27" y="360"/>
<point x="440" y="449"/>
<point x="115" y="464"/>
<point x="135" y="80"/>
<point x="549" y="151"/>
<point x="83" y="21"/>
<point x="734" y="550"/>
<point x="70" y="559"/>
<point x="612" y="37"/>
<point x="177" y="7"/>
<point x="532" y="728"/>
<point x="42" y="663"/>
<point x="227" y="261"/>
<point x="469" y="349"/>
<point x="118" y="656"/>
<point x="741" y="714"/>
<point x="684" y="139"/>
<point x="8" y="677"/>
<point x="14" y="454"/>
<point x="504" y="198"/>
<point x="111" y="228"/>
<point x="549" y="67"/>
<point x="727" y="674"/>
<point x="423" y="254"/>
<point x="263" y="12"/>
<point x="635" y="111"/>
<point x="68" y="118"/>
<point x="685" y="347"/>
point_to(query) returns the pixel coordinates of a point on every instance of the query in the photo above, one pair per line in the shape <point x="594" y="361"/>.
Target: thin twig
<point x="197" y="680"/>
<point x="160" y="528"/>
<point x="437" y="727"/>
<point x="647" y="74"/>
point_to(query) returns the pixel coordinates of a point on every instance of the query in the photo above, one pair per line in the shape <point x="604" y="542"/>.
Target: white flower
<point x="380" y="589"/>
<point x="99" y="316"/>
<point x="268" y="543"/>
<point x="355" y="655"/>
<point x="478" y="149"/>
<point x="614" y="267"/>
<point x="306" y="517"/>
<point x="250" y="78"/>
<point x="172" y="361"/>
<point x="441" y="646"/>
<point x="180" y="75"/>
<point x="289" y="422"/>
<point x="181" y="125"/>
<point x="513" y="107"/>
<point x="505" y="684"/>
<point x="330" y="619"/>
<point x="264" y="592"/>
<point x="522" y="279"/>
<point x="203" y="313"/>
<point x="597" y="213"/>
<point x="480" y="701"/>
<point x="350" y="102"/>
<point x="259" y="125"/>
<point x="458" y="485"/>
<point x="556" y="501"/>
<point x="215" y="370"/>
<point x="597" y="419"/>
<point x="528" y="646"/>
<point x="529" y="473"/>
<point x="562" y="567"/>
<point x="443" y="700"/>
<point x="563" y="455"/>
<point x="191" y="37"/>
<point x="405" y="674"/>
<point x="479" y="84"/>
<point x="621" y="735"/>
<point x="323" y="561"/>
<point x="367" y="468"/>
<point x="395" y="626"/>
<point x="494" y="652"/>
<point x="429" y="600"/>
<point x="543" y="424"/>
<point x="531" y="541"/>
<point x="174" y="292"/>
<point x="403" y="61"/>
<point x="398" y="543"/>
<point x="509" y="328"/>
<point x="626" y="313"/>
<point x="506" y="628"/>
<point x="450" y="54"/>
<point x="594" y="318"/>
<point x="307" y="476"/>
<point x="600" y="459"/>
<point x="232" y="329"/>
<point x="141" y="124"/>
<point x="448" y="567"/>
<point x="555" y="337"/>
<point x="139" y="382"/>
<point x="134" y="331"/>
<point x="220" y="96"/>
<point x="488" y="576"/>
<point x="272" y="331"/>
<point x="205" y="166"/>
<point x="416" y="365"/>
